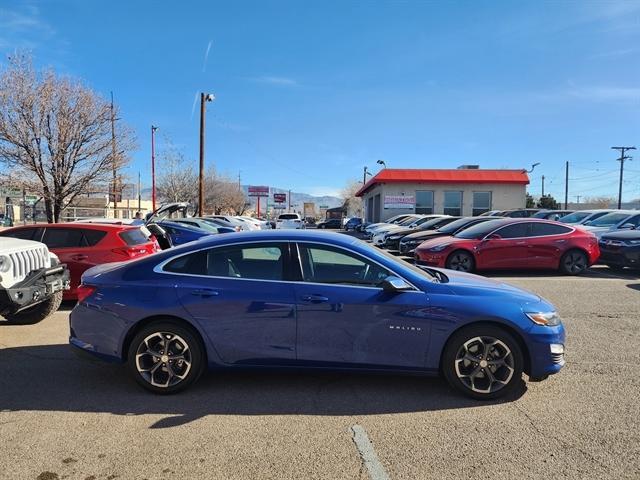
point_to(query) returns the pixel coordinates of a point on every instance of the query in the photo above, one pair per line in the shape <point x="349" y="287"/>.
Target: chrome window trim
<point x="160" y="266"/>
<point x="571" y="230"/>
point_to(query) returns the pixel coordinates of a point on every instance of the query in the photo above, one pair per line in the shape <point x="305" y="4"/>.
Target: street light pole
<point x="622" y="158"/>
<point x="204" y="97"/>
<point x="153" y="168"/>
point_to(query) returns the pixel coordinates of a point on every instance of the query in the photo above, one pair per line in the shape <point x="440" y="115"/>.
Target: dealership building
<point x="466" y="191"/>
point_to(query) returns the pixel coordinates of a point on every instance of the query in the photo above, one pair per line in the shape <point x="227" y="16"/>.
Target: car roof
<point x="184" y="226"/>
<point x="76" y="225"/>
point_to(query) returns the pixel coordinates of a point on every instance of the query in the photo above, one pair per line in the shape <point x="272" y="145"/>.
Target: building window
<point x="424" y="201"/>
<point x="453" y="203"/>
<point x="481" y="202"/>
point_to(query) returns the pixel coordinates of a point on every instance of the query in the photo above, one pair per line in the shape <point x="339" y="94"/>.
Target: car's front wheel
<point x="166" y="357"/>
<point x="483" y="362"/>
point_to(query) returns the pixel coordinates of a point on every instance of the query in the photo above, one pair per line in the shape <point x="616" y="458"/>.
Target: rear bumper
<point x="36" y="288"/>
<point x="98" y="333"/>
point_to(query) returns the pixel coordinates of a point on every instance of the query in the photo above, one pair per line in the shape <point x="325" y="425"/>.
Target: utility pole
<point x="578" y="197"/>
<point x="153" y="167"/>
<point x="239" y="186"/>
<point x="289" y="200"/>
<point x="139" y="194"/>
<point x="543" y="185"/>
<point x="566" y="185"/>
<point x="204" y="97"/>
<point x="113" y="156"/>
<point x="622" y="158"/>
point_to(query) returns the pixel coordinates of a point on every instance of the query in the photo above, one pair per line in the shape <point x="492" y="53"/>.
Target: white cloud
<point x="274" y="80"/>
<point x="206" y="56"/>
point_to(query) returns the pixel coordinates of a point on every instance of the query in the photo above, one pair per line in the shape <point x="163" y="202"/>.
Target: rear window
<point x="289" y="216"/>
<point x="92" y="237"/>
<point x="134" y="236"/>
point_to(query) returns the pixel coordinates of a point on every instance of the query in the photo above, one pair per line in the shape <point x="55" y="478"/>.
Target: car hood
<point x="448" y="239"/>
<point x="424" y="235"/>
<point x="623" y="235"/>
<point x="468" y="284"/>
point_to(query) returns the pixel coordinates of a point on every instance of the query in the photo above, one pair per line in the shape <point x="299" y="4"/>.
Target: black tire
<point x="155" y="334"/>
<point x="574" y="262"/>
<point x="38" y="312"/>
<point x="453" y="363"/>
<point x="461" y="261"/>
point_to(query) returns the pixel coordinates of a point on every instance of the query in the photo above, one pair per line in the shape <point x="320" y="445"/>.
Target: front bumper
<point x="623" y="257"/>
<point x="36" y="288"/>
<point x="543" y="344"/>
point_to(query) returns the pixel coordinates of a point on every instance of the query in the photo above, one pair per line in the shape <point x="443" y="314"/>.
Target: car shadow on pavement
<point x="597" y="272"/>
<point x="52" y="378"/>
<point x="634" y="286"/>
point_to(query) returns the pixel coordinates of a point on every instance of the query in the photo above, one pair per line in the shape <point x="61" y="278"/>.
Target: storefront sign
<point x="399" y="201"/>
<point x="258" y="191"/>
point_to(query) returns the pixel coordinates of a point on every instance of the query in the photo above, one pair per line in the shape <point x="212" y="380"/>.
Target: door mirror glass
<point x="395" y="284"/>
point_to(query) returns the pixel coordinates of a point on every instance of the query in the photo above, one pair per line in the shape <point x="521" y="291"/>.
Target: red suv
<point x="513" y="244"/>
<point x="85" y="245"/>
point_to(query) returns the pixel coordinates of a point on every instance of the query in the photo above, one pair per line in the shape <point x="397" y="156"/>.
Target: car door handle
<point x="521" y="243"/>
<point x="205" y="292"/>
<point x="315" y="299"/>
<point x="78" y="257"/>
<point x="560" y="241"/>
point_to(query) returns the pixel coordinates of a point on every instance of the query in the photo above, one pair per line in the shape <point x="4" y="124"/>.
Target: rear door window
<point x="24" y="234"/>
<point x="63" y="237"/>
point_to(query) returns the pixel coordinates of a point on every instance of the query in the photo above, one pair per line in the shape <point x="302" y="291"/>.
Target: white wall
<point x="503" y="196"/>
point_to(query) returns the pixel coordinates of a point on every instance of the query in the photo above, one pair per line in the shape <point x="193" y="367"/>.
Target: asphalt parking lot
<point x="61" y="417"/>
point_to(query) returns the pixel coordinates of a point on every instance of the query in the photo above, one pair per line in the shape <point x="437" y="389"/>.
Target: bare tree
<point x="55" y="134"/>
<point x="352" y="204"/>
<point x="177" y="181"/>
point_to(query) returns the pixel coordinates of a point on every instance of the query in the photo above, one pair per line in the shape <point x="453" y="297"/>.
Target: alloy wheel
<point x="163" y="359"/>
<point x="575" y="262"/>
<point x="484" y="364"/>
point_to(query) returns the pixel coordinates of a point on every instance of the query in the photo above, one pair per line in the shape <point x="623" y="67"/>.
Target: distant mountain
<point x="297" y="199"/>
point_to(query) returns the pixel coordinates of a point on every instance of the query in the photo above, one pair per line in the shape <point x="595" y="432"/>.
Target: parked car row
<point x="472" y="244"/>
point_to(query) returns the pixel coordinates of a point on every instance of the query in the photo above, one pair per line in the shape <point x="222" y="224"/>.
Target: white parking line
<point x="368" y="454"/>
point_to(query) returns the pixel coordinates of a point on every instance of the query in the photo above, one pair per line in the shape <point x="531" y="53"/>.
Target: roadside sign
<point x="258" y="191"/>
<point x="279" y="197"/>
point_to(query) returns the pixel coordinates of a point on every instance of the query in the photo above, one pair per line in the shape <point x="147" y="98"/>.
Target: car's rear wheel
<point x="574" y="262"/>
<point x="483" y="362"/>
<point x="165" y="357"/>
<point x="461" y="261"/>
<point x="38" y="312"/>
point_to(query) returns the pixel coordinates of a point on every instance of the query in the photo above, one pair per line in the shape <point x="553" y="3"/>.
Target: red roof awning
<point x="397" y="175"/>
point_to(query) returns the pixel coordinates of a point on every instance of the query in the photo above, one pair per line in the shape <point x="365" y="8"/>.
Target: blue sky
<point x="308" y="92"/>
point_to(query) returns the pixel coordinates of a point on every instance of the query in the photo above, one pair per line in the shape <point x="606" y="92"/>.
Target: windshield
<point x="574" y="217"/>
<point x="407" y="221"/>
<point x="457" y="225"/>
<point x="481" y="230"/>
<point x="429" y="224"/>
<point x="396" y="260"/>
<point x="608" y="220"/>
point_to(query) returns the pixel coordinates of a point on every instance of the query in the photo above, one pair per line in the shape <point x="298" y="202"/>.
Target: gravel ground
<point x="62" y="417"/>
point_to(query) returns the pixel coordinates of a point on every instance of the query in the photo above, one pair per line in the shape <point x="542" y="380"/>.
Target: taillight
<point x="85" y="291"/>
<point x="131" y="252"/>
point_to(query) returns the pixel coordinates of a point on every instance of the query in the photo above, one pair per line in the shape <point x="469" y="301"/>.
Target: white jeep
<point x="31" y="281"/>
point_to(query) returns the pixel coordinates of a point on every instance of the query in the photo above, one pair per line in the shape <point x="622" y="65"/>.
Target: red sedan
<point x="513" y="244"/>
<point x="85" y="245"/>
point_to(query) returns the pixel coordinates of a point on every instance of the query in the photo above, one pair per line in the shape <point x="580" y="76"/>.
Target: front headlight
<point x="439" y="248"/>
<point x="5" y="263"/>
<point x="550" y="319"/>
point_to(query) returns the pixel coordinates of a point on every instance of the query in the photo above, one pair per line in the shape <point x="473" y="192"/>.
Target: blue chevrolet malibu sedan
<point x="303" y="299"/>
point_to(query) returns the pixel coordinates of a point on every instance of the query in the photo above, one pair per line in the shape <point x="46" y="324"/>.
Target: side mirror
<point x="628" y="226"/>
<point x="395" y="284"/>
